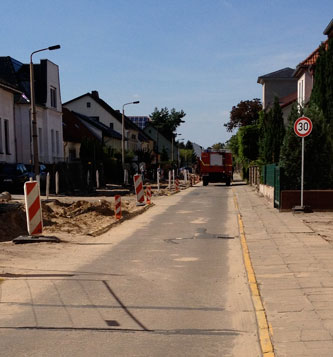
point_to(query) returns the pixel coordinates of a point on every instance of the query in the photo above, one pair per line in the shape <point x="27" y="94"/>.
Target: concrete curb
<point x="263" y="327"/>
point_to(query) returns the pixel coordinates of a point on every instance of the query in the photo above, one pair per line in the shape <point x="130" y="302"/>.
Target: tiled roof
<point x="73" y="128"/>
<point x="287" y="100"/>
<point x="310" y="60"/>
<point x="17" y="74"/>
<point x="104" y="128"/>
<point x="115" y="113"/>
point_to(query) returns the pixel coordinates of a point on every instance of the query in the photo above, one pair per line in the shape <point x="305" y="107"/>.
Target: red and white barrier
<point x="148" y="195"/>
<point x="140" y="195"/>
<point x="33" y="208"/>
<point x="177" y="185"/>
<point x="117" y="206"/>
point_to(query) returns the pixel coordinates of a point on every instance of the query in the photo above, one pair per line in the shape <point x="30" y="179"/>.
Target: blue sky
<point x="202" y="56"/>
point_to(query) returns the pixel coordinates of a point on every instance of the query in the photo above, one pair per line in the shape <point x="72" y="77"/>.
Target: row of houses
<point x="292" y="85"/>
<point x="62" y="127"/>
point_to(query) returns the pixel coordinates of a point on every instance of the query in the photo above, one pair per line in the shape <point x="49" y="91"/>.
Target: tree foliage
<point x="218" y="146"/>
<point x="166" y="122"/>
<point x="248" y="144"/>
<point x="322" y="92"/>
<point x="271" y="133"/>
<point x="244" y="113"/>
<point x="317" y="156"/>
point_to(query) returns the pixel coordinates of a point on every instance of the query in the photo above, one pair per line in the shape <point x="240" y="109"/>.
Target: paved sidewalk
<point x="293" y="265"/>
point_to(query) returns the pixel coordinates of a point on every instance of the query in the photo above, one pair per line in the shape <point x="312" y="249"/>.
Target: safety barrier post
<point x="140" y="197"/>
<point x="158" y="181"/>
<point x="97" y="179"/>
<point x="148" y="195"/>
<point x="47" y="190"/>
<point x="117" y="206"/>
<point x="33" y="208"/>
<point x="177" y="185"/>
<point x="57" y="183"/>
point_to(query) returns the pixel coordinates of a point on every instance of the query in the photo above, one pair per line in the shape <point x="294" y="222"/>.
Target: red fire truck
<point x="216" y="166"/>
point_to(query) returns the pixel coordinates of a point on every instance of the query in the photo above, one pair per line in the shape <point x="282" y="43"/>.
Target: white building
<point x="48" y="108"/>
<point x="91" y="105"/>
<point x="7" y="123"/>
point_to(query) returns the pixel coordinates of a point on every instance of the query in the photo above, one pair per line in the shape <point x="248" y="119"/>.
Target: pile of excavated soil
<point x="12" y="221"/>
<point x="80" y="217"/>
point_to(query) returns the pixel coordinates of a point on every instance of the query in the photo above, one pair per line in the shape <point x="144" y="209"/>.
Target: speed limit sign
<point x="303" y="127"/>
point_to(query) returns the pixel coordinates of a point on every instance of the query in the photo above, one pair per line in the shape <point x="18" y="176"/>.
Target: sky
<point x="199" y="56"/>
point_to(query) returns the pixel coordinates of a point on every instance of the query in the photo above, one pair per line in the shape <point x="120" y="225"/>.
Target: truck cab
<point x="216" y="166"/>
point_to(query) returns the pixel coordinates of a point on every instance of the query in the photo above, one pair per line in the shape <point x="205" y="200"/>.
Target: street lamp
<point x="33" y="108"/>
<point x="123" y="136"/>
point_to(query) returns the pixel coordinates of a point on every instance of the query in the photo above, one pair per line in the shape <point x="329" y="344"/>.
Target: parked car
<point x="13" y="177"/>
<point x="42" y="173"/>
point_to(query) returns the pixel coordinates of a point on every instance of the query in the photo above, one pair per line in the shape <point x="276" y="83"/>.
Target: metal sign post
<point x="302" y="128"/>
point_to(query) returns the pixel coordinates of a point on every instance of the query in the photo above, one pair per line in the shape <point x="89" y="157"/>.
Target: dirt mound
<point x="80" y="217"/>
<point x="13" y="221"/>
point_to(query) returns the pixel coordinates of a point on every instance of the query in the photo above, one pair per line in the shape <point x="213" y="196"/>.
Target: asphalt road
<point x="170" y="282"/>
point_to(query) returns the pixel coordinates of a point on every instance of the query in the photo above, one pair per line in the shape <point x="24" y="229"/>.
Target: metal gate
<point x="277" y="186"/>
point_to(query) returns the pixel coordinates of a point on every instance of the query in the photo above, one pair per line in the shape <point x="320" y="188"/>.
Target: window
<point x="300" y="92"/>
<point x="57" y="142"/>
<point x="52" y="142"/>
<point x="111" y="126"/>
<point x="40" y="140"/>
<point x="53" y="96"/>
<point x="88" y="104"/>
<point x="133" y="136"/>
<point x="6" y="129"/>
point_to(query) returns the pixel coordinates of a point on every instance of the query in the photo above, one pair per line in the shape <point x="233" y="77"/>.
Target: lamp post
<point x="33" y="108"/>
<point x="123" y="136"/>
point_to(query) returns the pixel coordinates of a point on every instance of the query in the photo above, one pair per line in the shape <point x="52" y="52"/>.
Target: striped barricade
<point x="117" y="206"/>
<point x="148" y="195"/>
<point x="33" y="208"/>
<point x="140" y="195"/>
<point x="177" y="185"/>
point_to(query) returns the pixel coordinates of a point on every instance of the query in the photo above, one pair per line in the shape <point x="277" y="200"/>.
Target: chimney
<point x="95" y="94"/>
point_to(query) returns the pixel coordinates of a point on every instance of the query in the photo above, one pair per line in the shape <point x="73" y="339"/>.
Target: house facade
<point x="91" y="105"/>
<point x="279" y="84"/>
<point x="7" y="123"/>
<point x="161" y="144"/>
<point x="304" y="72"/>
<point x="48" y="108"/>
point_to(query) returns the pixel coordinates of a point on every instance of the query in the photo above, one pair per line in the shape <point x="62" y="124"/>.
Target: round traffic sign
<point x="303" y="126"/>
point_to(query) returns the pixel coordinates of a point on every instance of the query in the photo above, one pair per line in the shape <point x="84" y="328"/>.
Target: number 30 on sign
<point x="303" y="126"/>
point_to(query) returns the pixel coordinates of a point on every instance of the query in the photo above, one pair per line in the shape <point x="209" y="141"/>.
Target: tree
<point x="189" y="145"/>
<point x="167" y="122"/>
<point x="248" y="144"/>
<point x="271" y="133"/>
<point x="318" y="153"/>
<point x="322" y="92"/>
<point x="232" y="144"/>
<point x="245" y="113"/>
<point x="218" y="146"/>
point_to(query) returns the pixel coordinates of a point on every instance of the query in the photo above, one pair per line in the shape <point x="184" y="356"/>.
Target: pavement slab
<point x="292" y="259"/>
